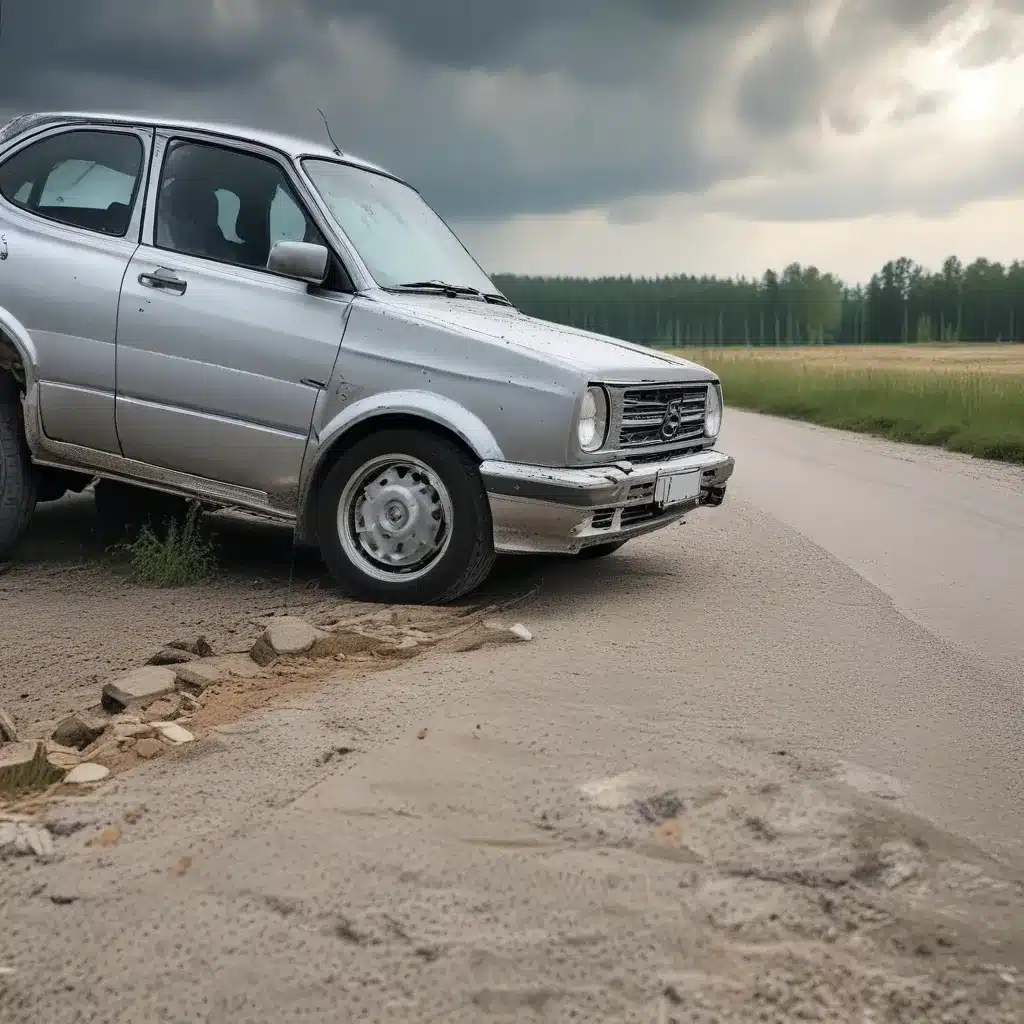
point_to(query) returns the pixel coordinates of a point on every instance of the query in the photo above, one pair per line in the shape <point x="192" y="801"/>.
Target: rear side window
<point x="85" y="178"/>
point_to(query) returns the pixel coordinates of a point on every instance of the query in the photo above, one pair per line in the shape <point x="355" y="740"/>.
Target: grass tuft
<point x="180" y="555"/>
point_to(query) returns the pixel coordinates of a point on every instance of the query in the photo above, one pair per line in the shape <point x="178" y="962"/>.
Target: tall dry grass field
<point x="967" y="398"/>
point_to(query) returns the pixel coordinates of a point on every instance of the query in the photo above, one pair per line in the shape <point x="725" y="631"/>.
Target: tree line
<point x="902" y="303"/>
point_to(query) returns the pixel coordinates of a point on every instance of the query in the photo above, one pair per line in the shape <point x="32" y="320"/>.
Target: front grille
<point x="640" y="458"/>
<point x="665" y="414"/>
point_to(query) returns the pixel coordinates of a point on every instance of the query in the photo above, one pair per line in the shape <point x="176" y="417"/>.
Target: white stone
<point x="139" y="687"/>
<point x="173" y="733"/>
<point x="23" y="838"/>
<point x="86" y="773"/>
<point x="521" y="631"/>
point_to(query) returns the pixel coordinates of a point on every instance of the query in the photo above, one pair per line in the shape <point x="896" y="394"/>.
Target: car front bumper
<point x="536" y="509"/>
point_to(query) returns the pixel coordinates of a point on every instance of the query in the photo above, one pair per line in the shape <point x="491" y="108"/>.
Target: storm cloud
<point x="492" y="109"/>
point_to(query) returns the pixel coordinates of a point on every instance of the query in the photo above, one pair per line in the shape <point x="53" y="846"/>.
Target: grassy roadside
<point x="972" y="410"/>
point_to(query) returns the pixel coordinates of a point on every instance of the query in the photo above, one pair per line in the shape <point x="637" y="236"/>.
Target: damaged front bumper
<point x="537" y="509"/>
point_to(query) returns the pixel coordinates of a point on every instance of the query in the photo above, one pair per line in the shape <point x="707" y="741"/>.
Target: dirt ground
<point x="594" y="826"/>
<point x="72" y="616"/>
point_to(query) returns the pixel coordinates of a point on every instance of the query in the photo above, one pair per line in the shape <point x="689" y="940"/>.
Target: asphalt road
<point x="941" y="534"/>
<point x="850" y="617"/>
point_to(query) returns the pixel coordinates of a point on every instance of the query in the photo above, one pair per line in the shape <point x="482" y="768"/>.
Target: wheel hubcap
<point x="395" y="518"/>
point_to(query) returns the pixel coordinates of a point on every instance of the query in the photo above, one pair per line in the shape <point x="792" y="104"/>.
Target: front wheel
<point x="403" y="517"/>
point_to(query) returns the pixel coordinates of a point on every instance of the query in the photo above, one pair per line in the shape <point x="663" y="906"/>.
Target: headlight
<point x="713" y="411"/>
<point x="593" y="423"/>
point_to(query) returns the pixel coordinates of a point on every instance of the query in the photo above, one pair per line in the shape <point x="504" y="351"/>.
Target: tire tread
<point x="481" y="555"/>
<point x="17" y="476"/>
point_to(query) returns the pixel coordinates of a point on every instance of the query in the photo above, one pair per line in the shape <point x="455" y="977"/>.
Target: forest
<point x="902" y="303"/>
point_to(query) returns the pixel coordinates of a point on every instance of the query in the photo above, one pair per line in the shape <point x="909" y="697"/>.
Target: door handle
<point x="165" y="280"/>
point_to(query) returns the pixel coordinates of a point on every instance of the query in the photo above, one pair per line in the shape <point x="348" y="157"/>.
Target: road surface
<point x="772" y="757"/>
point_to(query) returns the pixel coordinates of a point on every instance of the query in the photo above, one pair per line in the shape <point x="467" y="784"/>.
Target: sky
<point x="593" y="137"/>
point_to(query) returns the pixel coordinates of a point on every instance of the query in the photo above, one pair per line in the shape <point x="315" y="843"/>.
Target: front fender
<point x="424" y="405"/>
<point x="12" y="329"/>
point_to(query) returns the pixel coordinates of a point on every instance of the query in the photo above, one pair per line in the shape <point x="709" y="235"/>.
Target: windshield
<point x="399" y="238"/>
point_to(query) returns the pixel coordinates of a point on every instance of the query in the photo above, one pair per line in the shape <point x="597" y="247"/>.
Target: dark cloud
<point x="490" y="108"/>
<point x="782" y="87"/>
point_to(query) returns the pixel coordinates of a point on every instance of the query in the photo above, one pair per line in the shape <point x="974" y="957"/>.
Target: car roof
<point x="292" y="146"/>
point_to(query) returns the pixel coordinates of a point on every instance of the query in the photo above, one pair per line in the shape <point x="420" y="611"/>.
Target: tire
<point x="124" y="509"/>
<point x="601" y="550"/>
<point x="426" y="480"/>
<point x="17" y="474"/>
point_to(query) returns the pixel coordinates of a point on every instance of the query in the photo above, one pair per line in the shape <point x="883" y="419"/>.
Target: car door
<point x="219" y="361"/>
<point x="70" y="213"/>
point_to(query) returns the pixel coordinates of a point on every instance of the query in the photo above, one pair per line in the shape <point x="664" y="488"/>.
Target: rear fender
<point x="17" y="337"/>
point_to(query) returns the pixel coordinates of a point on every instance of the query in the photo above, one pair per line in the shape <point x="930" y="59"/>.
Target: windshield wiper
<point x="442" y="286"/>
<point x="452" y="290"/>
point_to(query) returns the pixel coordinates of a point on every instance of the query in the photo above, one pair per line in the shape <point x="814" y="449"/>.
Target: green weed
<point x="179" y="555"/>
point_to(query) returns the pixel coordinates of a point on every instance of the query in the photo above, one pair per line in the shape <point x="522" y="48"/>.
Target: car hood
<point x="596" y="355"/>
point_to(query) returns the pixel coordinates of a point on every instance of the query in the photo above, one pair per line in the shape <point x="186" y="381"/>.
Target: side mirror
<point x="301" y="260"/>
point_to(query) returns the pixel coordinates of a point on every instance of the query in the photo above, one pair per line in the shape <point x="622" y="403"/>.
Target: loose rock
<point x="284" y="636"/>
<point x="25" y="838"/>
<point x="139" y="688"/>
<point x="197" y="677"/>
<point x="80" y="729"/>
<point x="171" y="656"/>
<point x="131" y="730"/>
<point x="173" y="733"/>
<point x="8" y="730"/>
<point x="60" y="757"/>
<point x="85" y="774"/>
<point x="164" y="710"/>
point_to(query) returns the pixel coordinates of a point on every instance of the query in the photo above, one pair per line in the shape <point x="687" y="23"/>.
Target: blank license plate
<point x="675" y="488"/>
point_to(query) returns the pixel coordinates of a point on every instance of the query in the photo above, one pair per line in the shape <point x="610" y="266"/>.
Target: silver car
<point x="191" y="311"/>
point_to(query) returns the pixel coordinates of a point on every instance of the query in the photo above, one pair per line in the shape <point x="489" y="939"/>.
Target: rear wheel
<point x="17" y="474"/>
<point x="124" y="509"/>
<point x="600" y="550"/>
<point x="403" y="517"/>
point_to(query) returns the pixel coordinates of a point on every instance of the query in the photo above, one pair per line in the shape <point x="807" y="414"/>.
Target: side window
<point x="86" y="178"/>
<point x="287" y="221"/>
<point x="226" y="205"/>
